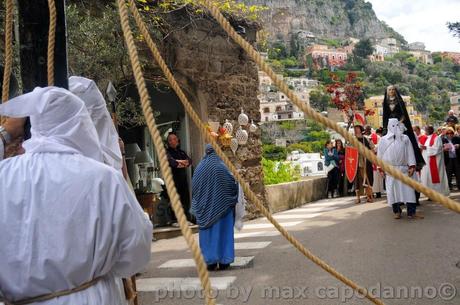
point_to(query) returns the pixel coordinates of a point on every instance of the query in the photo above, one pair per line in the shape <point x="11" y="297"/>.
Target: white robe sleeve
<point x="134" y="235"/>
<point x="2" y="150"/>
<point x="410" y="153"/>
<point x="436" y="149"/>
<point x="240" y="209"/>
<point x="381" y="148"/>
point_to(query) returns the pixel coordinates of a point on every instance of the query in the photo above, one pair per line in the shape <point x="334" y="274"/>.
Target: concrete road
<point x="402" y="261"/>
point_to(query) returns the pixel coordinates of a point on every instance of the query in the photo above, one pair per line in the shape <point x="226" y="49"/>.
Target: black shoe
<point x="212" y="267"/>
<point x="224" y="266"/>
<point x="378" y="195"/>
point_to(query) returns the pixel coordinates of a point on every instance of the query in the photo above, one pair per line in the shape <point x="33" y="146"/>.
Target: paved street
<point x="404" y="261"/>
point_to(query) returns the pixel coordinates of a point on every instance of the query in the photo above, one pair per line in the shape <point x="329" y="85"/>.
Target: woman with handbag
<point x="331" y="160"/>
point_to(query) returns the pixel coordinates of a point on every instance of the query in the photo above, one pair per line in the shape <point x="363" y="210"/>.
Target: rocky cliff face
<point x="324" y="18"/>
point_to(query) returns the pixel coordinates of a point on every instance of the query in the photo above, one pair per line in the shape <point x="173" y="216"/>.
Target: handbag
<point x="331" y="166"/>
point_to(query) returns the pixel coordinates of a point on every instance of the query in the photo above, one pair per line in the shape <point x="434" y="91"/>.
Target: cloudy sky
<point x="421" y="20"/>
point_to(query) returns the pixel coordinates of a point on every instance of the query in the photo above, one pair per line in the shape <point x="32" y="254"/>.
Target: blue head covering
<point x="214" y="190"/>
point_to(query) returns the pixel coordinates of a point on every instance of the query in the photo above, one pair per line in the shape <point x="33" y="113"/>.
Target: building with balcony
<point x="390" y="45"/>
<point x="416" y="46"/>
<point x="275" y="105"/>
<point x="323" y="56"/>
<point x="423" y="56"/>
<point x="455" y="56"/>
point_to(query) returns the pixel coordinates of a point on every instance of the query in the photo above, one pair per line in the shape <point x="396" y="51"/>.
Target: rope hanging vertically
<point x="247" y="190"/>
<point x="311" y="113"/>
<point x="8" y="52"/>
<point x="51" y="41"/>
<point x="161" y="152"/>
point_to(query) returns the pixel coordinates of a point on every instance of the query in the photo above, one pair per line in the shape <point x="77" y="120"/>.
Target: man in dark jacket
<point x="179" y="162"/>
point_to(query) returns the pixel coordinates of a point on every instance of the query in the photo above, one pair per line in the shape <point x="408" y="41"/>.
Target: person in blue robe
<point x="214" y="196"/>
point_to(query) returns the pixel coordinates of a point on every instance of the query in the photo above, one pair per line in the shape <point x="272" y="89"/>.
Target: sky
<point x="422" y="20"/>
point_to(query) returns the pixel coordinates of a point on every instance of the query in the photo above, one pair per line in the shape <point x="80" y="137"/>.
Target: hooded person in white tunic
<point x="87" y="90"/>
<point x="90" y="94"/>
<point x="434" y="175"/>
<point x="66" y="218"/>
<point x="395" y="148"/>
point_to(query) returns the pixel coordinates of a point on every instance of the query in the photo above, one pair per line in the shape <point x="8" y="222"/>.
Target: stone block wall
<point x="286" y="196"/>
<point x="219" y="79"/>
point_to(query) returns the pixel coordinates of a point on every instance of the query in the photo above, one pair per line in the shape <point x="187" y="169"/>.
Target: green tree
<point x="277" y="65"/>
<point x="279" y="172"/>
<point x="290" y="62"/>
<point x="319" y="100"/>
<point x="277" y="51"/>
<point x="95" y="45"/>
<point x="307" y="147"/>
<point x="273" y="152"/>
<point x="454" y="27"/>
<point x="363" y="48"/>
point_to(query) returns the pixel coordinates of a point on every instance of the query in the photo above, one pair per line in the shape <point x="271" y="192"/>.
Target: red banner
<point x="351" y="163"/>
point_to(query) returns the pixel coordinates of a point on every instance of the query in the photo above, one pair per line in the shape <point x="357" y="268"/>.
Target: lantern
<point x="234" y="145"/>
<point x="253" y="127"/>
<point x="228" y="127"/>
<point x="243" y="119"/>
<point x="242" y="136"/>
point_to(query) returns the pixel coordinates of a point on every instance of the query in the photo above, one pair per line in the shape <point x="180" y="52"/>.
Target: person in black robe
<point x="394" y="107"/>
<point x="179" y="161"/>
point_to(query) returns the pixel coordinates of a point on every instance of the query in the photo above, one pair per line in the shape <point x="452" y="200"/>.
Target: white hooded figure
<point x="66" y="218"/>
<point x="395" y="148"/>
<point x="88" y="91"/>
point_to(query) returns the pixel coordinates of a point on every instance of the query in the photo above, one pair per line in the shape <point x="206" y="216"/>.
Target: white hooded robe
<point x="395" y="148"/>
<point x="426" y="174"/>
<point x="65" y="217"/>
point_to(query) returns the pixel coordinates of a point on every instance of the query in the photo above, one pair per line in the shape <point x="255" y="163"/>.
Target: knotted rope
<point x="161" y="152"/>
<point x="311" y="113"/>
<point x="51" y="41"/>
<point x="247" y="190"/>
<point x="8" y="53"/>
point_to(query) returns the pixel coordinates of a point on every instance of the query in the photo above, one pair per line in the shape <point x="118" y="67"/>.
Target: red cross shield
<point x="351" y="163"/>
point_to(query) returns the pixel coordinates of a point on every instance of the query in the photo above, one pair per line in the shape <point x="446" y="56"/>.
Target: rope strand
<point x="51" y="41"/>
<point x="8" y="53"/>
<point x="247" y="190"/>
<point x="311" y="113"/>
<point x="161" y="152"/>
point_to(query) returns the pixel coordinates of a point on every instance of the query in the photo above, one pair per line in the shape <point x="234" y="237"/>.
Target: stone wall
<point x="220" y="80"/>
<point x="286" y="196"/>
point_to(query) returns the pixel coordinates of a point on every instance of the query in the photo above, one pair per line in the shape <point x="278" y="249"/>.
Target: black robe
<point x="180" y="176"/>
<point x="400" y="113"/>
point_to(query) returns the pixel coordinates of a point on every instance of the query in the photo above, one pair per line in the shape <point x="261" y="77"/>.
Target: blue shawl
<point x="214" y="190"/>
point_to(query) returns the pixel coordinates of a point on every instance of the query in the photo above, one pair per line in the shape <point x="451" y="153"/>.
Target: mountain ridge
<point x="337" y="19"/>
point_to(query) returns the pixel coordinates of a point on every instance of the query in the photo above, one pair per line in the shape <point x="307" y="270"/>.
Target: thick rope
<point x="8" y="52"/>
<point x="161" y="152"/>
<point x="311" y="113"/>
<point x="51" y="41"/>
<point x="247" y="190"/>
